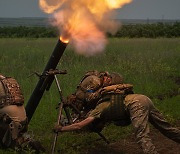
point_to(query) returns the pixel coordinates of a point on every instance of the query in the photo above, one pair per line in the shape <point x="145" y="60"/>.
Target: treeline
<point x="129" y="31"/>
<point x="28" y="32"/>
<point x="149" y="30"/>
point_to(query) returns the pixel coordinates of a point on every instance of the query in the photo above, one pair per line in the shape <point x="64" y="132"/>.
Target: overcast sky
<point x="138" y="9"/>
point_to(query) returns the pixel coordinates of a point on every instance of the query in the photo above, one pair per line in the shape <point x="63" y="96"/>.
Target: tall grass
<point x="148" y="64"/>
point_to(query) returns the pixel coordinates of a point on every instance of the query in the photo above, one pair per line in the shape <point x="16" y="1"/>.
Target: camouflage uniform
<point x="13" y="121"/>
<point x="141" y="111"/>
<point x="123" y="109"/>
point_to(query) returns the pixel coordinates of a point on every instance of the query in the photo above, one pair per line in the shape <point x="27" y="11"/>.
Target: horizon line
<point x="114" y="18"/>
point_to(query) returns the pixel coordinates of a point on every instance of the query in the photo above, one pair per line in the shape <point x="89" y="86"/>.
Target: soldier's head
<point x="105" y="79"/>
<point x="116" y="78"/>
<point x="111" y="79"/>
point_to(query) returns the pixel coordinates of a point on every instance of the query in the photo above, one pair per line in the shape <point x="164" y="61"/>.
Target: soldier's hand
<point x="104" y="90"/>
<point x="108" y="89"/>
<point x="57" y="128"/>
<point x="71" y="98"/>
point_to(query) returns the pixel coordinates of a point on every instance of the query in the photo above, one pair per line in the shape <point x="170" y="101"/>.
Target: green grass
<point x="145" y="63"/>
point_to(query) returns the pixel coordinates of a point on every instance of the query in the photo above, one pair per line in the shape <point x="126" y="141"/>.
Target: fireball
<point x="84" y="22"/>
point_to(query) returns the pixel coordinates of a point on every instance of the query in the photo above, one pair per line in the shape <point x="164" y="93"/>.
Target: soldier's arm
<point x="75" y="126"/>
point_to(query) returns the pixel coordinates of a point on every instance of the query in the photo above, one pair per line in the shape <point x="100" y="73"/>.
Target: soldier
<point x="103" y="97"/>
<point x="13" y="120"/>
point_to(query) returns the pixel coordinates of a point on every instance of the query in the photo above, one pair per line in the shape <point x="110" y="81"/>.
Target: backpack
<point x="10" y="92"/>
<point x="90" y="82"/>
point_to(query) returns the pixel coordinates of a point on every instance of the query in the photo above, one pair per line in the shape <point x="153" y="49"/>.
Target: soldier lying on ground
<point x="13" y="120"/>
<point x="105" y="98"/>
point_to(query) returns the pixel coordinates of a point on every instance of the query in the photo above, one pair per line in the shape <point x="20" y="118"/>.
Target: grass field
<point x="151" y="65"/>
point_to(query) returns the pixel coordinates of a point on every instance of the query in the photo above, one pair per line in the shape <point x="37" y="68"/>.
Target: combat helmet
<point x="91" y="83"/>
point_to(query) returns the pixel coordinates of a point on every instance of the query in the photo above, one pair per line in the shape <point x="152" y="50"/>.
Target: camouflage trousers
<point x="142" y="111"/>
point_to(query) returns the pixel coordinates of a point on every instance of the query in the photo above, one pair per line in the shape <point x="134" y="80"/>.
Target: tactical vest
<point x="115" y="94"/>
<point x="10" y="92"/>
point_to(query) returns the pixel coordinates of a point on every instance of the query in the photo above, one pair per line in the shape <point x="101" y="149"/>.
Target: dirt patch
<point x="129" y="146"/>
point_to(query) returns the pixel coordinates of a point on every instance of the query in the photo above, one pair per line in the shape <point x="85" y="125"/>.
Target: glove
<point x="71" y="98"/>
<point x="57" y="128"/>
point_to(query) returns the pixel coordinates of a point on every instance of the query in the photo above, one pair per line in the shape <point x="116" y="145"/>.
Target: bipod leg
<point x="61" y="107"/>
<point x="56" y="134"/>
<point x="103" y="137"/>
<point x="62" y="100"/>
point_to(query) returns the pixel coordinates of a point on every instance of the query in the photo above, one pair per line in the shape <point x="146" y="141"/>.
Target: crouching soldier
<point x="13" y="120"/>
<point x="105" y="98"/>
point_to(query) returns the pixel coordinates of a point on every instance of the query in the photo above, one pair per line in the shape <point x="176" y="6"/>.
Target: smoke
<point x="84" y="22"/>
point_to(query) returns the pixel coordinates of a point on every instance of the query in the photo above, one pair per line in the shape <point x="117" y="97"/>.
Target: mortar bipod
<point x="61" y="104"/>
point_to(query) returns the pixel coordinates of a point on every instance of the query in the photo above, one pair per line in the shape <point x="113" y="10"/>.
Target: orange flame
<point x="64" y="40"/>
<point x="84" y="22"/>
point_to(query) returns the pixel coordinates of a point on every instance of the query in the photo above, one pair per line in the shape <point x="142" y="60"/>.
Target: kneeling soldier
<point x="13" y="120"/>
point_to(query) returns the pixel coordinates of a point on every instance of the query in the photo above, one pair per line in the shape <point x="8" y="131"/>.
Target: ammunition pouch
<point x="4" y="118"/>
<point x="15" y="128"/>
<point x="12" y="93"/>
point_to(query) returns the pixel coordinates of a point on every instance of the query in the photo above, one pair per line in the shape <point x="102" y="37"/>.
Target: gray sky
<point x="138" y="9"/>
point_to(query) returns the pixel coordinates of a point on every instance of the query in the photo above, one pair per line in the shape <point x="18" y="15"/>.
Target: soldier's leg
<point x="159" y="122"/>
<point x="139" y="112"/>
<point x="13" y="118"/>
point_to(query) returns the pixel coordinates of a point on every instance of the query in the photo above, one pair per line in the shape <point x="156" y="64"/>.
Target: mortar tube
<point x="41" y="87"/>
